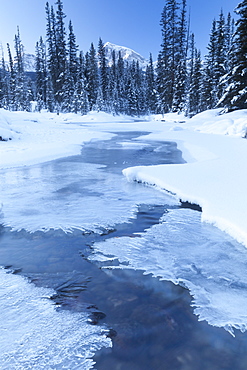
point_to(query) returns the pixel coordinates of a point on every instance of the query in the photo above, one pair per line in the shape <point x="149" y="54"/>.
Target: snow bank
<point x="214" y="177"/>
<point x="41" y="137"/>
<point x="5" y="130"/>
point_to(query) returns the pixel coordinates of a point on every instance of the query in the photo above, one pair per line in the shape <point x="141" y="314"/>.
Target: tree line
<point x="66" y="80"/>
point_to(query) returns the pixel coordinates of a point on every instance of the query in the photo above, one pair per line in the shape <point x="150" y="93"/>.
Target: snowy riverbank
<point x="212" y="145"/>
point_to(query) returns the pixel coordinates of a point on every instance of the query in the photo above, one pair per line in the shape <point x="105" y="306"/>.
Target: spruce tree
<point x="220" y="57"/>
<point x="151" y="93"/>
<point x="92" y="76"/>
<point x="51" y="57"/>
<point x="61" y="55"/>
<point x="235" y="96"/>
<point x="112" y="97"/>
<point x="70" y="95"/>
<point x="171" y="66"/>
<point x="5" y="100"/>
<point x="82" y="96"/>
<point x="103" y="76"/>
<point x="179" y="94"/>
<point x="12" y="82"/>
<point x="41" y="75"/>
<point x="210" y="90"/>
<point x="196" y="85"/>
<point x="21" y="97"/>
<point x="121" y="72"/>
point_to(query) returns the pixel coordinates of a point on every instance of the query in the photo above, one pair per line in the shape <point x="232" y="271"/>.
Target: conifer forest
<point x="181" y="80"/>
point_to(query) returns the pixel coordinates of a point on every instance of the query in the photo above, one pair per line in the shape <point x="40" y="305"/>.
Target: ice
<point x="69" y="195"/>
<point x="34" y="335"/>
<point x="193" y="254"/>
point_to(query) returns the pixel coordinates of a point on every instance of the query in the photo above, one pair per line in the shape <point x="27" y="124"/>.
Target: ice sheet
<point x="193" y="254"/>
<point x="69" y="194"/>
<point x="34" y="335"/>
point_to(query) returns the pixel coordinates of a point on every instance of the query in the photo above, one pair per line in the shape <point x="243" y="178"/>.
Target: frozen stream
<point x="74" y="243"/>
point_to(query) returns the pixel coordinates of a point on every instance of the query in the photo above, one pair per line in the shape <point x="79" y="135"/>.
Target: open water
<point x="55" y="215"/>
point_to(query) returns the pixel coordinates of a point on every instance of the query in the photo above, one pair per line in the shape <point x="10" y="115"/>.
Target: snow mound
<point x="5" y="131"/>
<point x="213" y="122"/>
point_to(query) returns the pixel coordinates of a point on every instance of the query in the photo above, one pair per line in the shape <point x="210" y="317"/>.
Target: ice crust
<point x="69" y="195"/>
<point x="34" y="335"/>
<point x="181" y="249"/>
<point x="193" y="254"/>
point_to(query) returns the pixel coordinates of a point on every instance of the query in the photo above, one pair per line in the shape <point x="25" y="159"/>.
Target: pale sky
<point x="131" y="23"/>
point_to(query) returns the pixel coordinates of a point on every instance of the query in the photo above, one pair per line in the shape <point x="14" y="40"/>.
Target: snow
<point x="212" y="145"/>
<point x="213" y="176"/>
<point x="211" y="266"/>
<point x="34" y="335"/>
<point x="127" y="54"/>
<point x="193" y="254"/>
<point x="41" y="137"/>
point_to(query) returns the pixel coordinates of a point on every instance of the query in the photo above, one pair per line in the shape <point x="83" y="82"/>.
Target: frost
<point x="36" y="336"/>
<point x="188" y="252"/>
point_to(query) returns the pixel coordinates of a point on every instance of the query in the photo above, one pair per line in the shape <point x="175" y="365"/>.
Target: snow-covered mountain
<point x="127" y="54"/>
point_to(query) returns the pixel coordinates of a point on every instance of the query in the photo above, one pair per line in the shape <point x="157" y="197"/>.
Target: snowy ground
<point x="213" y="177"/>
<point x="213" y="146"/>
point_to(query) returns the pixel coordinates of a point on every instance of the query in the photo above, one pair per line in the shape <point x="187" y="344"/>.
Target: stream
<point x="56" y="220"/>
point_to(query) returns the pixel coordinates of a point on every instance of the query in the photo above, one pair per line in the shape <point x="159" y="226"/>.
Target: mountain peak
<point x="127" y="54"/>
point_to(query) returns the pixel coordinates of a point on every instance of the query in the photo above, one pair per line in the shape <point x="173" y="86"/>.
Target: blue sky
<point x="131" y="23"/>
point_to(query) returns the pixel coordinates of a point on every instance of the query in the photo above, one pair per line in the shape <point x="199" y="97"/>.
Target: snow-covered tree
<point x="150" y="87"/>
<point x="41" y="75"/>
<point x="103" y="76"/>
<point x="92" y="76"/>
<point x="235" y="96"/>
<point x="172" y="59"/>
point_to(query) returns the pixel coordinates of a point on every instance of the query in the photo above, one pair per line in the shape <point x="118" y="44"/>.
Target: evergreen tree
<point x="103" y="76"/>
<point x="166" y="58"/>
<point x="12" y="82"/>
<point x="210" y="93"/>
<point x="131" y="90"/>
<point x="151" y="93"/>
<point x="229" y="44"/>
<point x="61" y="55"/>
<point x="41" y="75"/>
<point x="92" y="77"/>
<point x="196" y="84"/>
<point x="220" y="58"/>
<point x="69" y="102"/>
<point x="4" y="86"/>
<point x="235" y="96"/>
<point x="51" y="57"/>
<point x="229" y="60"/>
<point x="179" y="95"/>
<point x="82" y="96"/>
<point x="21" y="97"/>
<point x="171" y="66"/>
<point x="112" y="97"/>
<point x="121" y="85"/>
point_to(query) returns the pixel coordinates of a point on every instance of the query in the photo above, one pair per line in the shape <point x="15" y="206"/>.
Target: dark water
<point x="151" y="322"/>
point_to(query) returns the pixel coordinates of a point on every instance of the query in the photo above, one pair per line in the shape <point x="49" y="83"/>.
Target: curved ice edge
<point x="35" y="335"/>
<point x="215" y="275"/>
<point x="229" y="327"/>
<point x="133" y="175"/>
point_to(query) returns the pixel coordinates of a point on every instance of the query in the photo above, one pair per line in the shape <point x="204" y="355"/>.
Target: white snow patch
<point x="214" y="176"/>
<point x="34" y="335"/>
